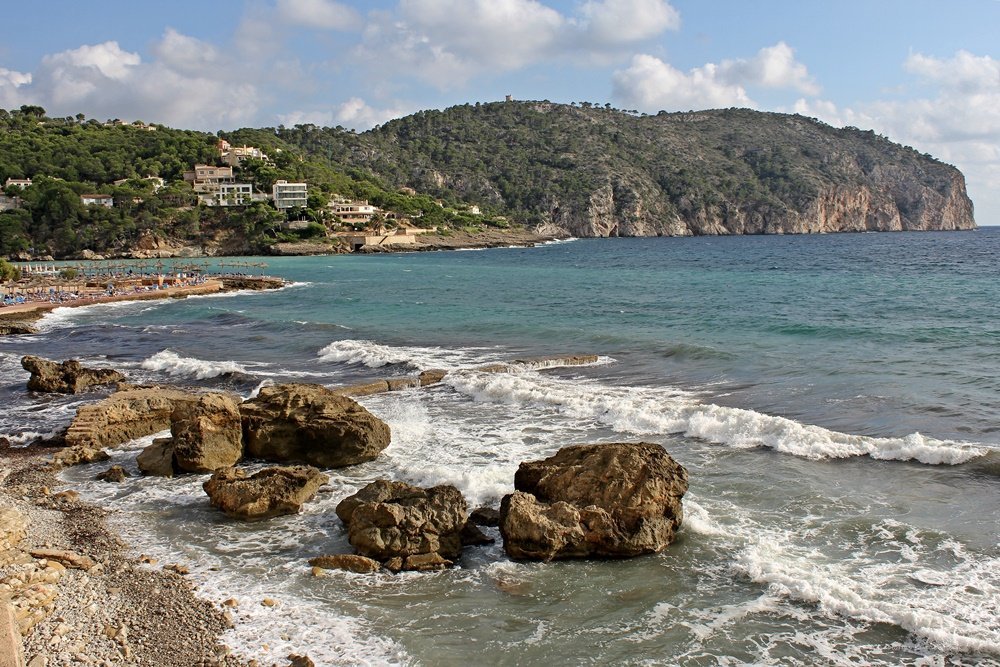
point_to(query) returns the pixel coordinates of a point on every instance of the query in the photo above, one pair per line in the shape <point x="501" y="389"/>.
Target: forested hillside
<point x="573" y="169"/>
<point x="597" y="171"/>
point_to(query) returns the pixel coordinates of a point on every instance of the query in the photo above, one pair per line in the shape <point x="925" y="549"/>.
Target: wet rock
<point x="431" y="376"/>
<point x="348" y="562"/>
<point x="310" y="423"/>
<point x="485" y="516"/>
<point x="472" y="536"/>
<point x="68" y="377"/>
<point x="157" y="460"/>
<point x="387" y="520"/>
<point x="115" y="473"/>
<point x="207" y="434"/>
<point x="295" y="660"/>
<point x="607" y="500"/>
<point x="270" y="492"/>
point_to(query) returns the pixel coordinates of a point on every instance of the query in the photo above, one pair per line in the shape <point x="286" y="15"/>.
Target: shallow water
<point x="834" y="398"/>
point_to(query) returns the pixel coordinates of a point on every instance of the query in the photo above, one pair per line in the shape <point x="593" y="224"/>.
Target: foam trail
<point x="649" y="411"/>
<point x="175" y="365"/>
<point x="374" y="355"/>
<point x="944" y="615"/>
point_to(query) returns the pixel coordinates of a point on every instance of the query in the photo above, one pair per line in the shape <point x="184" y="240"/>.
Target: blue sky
<point x="926" y="74"/>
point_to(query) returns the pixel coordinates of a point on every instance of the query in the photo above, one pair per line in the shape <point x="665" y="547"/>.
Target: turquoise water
<point x="835" y="398"/>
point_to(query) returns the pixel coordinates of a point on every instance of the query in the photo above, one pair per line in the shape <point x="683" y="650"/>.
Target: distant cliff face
<point x="600" y="172"/>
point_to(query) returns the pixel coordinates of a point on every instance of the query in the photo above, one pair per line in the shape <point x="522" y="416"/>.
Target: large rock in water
<point x="405" y="526"/>
<point x="126" y="415"/>
<point x="310" y="423"/>
<point x="207" y="435"/>
<point x="270" y="492"/>
<point x="69" y="377"/>
<point x="606" y="500"/>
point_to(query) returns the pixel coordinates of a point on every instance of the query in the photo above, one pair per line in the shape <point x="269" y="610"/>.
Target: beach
<point x="119" y="611"/>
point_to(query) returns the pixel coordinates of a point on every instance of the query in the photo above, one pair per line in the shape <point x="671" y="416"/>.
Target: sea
<point x="834" y="398"/>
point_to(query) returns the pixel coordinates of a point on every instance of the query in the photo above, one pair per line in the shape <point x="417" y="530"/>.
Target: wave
<point x="934" y="605"/>
<point x="374" y="355"/>
<point x="175" y="365"/>
<point x="665" y="411"/>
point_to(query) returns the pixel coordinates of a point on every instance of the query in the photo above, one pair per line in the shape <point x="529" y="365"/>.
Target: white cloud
<point x="964" y="71"/>
<point x="447" y="42"/>
<point x="651" y="84"/>
<point x="354" y="114"/>
<point x="628" y="21"/>
<point x="324" y="14"/>
<point x="772" y="67"/>
<point x="188" y="84"/>
<point x="10" y="81"/>
<point x="182" y="53"/>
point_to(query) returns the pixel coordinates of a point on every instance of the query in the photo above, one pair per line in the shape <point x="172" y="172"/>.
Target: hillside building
<point x="288" y="195"/>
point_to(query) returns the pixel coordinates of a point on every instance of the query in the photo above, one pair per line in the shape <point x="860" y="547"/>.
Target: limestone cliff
<point x="590" y="171"/>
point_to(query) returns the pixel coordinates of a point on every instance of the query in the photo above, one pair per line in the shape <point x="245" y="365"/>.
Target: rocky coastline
<point x="97" y="604"/>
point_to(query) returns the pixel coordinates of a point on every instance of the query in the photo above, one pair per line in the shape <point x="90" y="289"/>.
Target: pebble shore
<point x="79" y="597"/>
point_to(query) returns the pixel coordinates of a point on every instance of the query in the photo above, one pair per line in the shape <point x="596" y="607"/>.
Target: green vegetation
<point x="519" y="162"/>
<point x="8" y="271"/>
<point x="72" y="156"/>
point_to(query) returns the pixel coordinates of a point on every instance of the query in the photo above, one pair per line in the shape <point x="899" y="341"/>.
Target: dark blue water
<point x="835" y="398"/>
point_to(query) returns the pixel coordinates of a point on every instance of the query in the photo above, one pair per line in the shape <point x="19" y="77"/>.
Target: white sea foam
<point x="65" y="316"/>
<point x="374" y="355"/>
<point x="171" y="363"/>
<point x="663" y="411"/>
<point x="945" y="614"/>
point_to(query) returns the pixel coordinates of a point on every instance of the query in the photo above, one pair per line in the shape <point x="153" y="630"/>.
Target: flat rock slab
<point x="348" y="562"/>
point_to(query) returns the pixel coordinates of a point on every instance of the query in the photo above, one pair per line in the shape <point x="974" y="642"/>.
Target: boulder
<point x="157" y="460"/>
<point x="271" y="492"/>
<point x="606" y="500"/>
<point x="78" y="455"/>
<point x="207" y="434"/>
<point x="387" y="520"/>
<point x="485" y="516"/>
<point x="126" y="415"/>
<point x="348" y="562"/>
<point x="310" y="423"/>
<point x="69" y="377"/>
<point x="115" y="473"/>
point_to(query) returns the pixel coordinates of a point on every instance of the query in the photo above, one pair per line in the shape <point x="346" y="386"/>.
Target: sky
<point x="925" y="73"/>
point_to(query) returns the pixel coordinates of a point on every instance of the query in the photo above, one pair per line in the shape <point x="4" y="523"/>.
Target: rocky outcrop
<point x="126" y="415"/>
<point x="271" y="492"/>
<point x="207" y="434"/>
<point x="313" y="424"/>
<point x="68" y="377"/>
<point x="606" y="500"/>
<point x="405" y="527"/>
<point x="157" y="459"/>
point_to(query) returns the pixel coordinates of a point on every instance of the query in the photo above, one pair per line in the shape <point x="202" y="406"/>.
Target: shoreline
<point x="121" y="609"/>
<point x="18" y="318"/>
